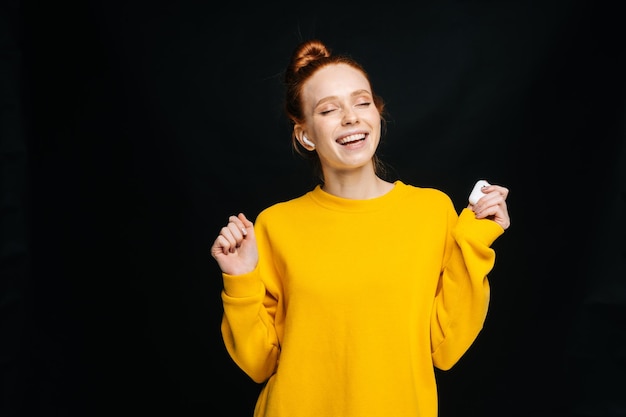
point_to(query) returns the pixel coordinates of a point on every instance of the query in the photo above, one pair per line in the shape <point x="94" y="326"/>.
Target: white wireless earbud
<point x="307" y="141"/>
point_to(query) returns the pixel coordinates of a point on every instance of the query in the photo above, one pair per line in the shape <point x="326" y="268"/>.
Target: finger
<point x="247" y="224"/>
<point x="220" y="246"/>
<point x="229" y="235"/>
<point x="488" y="205"/>
<point x="237" y="231"/>
<point x="486" y="201"/>
<point x="503" y="191"/>
<point x="493" y="194"/>
<point x="497" y="213"/>
<point x="244" y="220"/>
<point x="239" y="222"/>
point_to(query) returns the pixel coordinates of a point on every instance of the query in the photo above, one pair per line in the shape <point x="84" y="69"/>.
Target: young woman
<point x="342" y="301"/>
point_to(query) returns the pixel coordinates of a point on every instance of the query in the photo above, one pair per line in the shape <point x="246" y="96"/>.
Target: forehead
<point x="335" y="80"/>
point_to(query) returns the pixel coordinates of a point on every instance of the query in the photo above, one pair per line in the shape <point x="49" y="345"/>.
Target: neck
<point x="356" y="186"/>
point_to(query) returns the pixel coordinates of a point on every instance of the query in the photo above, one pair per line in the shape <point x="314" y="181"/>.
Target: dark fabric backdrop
<point x="131" y="130"/>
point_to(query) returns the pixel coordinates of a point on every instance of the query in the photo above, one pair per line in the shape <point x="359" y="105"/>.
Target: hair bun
<point x="305" y="53"/>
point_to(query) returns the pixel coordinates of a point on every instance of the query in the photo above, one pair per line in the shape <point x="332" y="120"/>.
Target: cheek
<point x="324" y="131"/>
<point x="376" y="124"/>
<point x="376" y="134"/>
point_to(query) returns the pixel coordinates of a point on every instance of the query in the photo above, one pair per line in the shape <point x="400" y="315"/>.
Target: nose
<point x="349" y="117"/>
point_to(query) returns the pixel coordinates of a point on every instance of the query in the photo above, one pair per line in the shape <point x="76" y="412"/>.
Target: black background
<point x="132" y="130"/>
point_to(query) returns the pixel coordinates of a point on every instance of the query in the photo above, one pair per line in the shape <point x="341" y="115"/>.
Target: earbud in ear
<point x="307" y="141"/>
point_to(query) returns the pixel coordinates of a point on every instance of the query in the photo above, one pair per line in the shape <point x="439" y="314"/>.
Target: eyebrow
<point x="353" y="94"/>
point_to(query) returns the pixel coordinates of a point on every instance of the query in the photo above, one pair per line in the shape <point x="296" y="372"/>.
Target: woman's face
<point x="340" y="118"/>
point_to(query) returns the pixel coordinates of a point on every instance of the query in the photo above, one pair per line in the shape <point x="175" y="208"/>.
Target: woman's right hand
<point x="235" y="247"/>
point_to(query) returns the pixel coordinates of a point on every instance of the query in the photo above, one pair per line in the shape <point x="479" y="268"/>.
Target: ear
<point x="298" y="131"/>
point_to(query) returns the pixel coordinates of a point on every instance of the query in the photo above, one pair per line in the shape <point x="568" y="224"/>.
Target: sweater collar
<point x="333" y="202"/>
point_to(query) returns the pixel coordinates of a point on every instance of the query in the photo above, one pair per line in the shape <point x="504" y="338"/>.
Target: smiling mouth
<point x="351" y="139"/>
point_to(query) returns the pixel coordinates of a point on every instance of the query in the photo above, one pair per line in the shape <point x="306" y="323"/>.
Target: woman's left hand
<point x="492" y="205"/>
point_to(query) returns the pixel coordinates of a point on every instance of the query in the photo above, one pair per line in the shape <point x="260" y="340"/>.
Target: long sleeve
<point x="248" y="325"/>
<point x="463" y="292"/>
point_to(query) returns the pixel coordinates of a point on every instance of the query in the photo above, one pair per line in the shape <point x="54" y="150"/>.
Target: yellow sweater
<point x="353" y="302"/>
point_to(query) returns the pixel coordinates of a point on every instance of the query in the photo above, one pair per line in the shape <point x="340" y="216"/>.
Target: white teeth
<point x="351" y="138"/>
